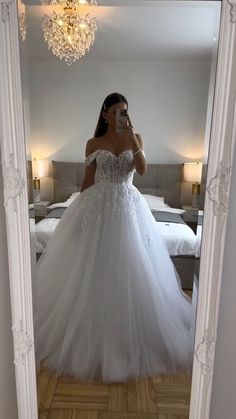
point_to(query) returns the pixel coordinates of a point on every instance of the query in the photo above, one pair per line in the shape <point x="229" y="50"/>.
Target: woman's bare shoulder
<point x="91" y="145"/>
<point x="91" y="141"/>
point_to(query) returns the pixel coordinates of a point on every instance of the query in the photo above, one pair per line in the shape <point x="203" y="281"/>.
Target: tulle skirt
<point x="109" y="305"/>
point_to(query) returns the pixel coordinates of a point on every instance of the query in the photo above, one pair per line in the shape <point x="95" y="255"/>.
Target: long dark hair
<point x="110" y="100"/>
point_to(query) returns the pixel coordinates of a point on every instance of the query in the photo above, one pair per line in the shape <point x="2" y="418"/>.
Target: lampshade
<point x="40" y="168"/>
<point x="193" y="172"/>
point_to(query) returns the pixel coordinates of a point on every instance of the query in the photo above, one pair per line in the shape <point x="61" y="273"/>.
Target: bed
<point x="161" y="181"/>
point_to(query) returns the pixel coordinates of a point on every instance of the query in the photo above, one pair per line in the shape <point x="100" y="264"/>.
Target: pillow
<point x="172" y="210"/>
<point x="58" y="205"/>
<point x="65" y="203"/>
<point x="154" y="202"/>
<point x="72" y="197"/>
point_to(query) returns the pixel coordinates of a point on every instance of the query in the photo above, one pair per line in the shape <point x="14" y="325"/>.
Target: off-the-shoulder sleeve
<point x="90" y="158"/>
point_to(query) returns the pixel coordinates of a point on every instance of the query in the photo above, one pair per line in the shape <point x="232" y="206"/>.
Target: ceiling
<point x="139" y="30"/>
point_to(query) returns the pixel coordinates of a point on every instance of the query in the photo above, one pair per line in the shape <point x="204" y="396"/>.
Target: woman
<point x="106" y="138"/>
<point x="110" y="304"/>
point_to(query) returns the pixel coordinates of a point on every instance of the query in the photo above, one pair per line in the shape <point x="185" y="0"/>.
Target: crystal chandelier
<point x="21" y="20"/>
<point x="69" y="35"/>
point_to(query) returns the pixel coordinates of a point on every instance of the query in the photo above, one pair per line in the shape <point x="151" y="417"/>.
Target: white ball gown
<point x="109" y="304"/>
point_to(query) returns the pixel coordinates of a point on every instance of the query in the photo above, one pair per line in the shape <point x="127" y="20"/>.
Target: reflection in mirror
<point x="115" y="285"/>
<point x="26" y="122"/>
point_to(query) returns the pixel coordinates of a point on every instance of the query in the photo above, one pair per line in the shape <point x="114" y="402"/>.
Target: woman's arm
<point x="140" y="163"/>
<point x="89" y="169"/>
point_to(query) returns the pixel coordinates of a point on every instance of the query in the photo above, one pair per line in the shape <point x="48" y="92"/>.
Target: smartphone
<point x="121" y="120"/>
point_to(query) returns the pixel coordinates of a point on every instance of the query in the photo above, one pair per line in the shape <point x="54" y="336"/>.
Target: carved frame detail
<point x="13" y="182"/>
<point x="232" y="4"/>
<point x="218" y="189"/>
<point x="205" y="352"/>
<point x="23" y="343"/>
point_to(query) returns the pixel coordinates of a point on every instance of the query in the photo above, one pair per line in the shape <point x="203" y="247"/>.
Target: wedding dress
<point x="109" y="303"/>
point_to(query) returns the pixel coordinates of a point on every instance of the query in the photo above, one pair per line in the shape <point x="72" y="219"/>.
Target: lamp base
<point x="196" y="188"/>
<point x="195" y="200"/>
<point x="36" y="195"/>
<point x="36" y="190"/>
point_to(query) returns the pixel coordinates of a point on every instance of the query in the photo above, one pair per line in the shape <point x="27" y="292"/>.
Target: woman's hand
<point x="129" y="134"/>
<point x="136" y="144"/>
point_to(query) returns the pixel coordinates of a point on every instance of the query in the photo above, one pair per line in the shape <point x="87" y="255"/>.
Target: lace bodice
<point x="112" y="168"/>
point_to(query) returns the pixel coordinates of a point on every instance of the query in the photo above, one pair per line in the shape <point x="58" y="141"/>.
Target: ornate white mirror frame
<point x="16" y="204"/>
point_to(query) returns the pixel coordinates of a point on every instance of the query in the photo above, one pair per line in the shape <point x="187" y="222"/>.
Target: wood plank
<point x="78" y="405"/>
<point x="43" y="414"/>
<point x="46" y="389"/>
<point x="173" y="409"/>
<point x="171" y="394"/>
<point x="79" y="389"/>
<point x="60" y="414"/>
<point x="125" y="415"/>
<point x="42" y="382"/>
<point x="118" y="398"/>
<point x="80" y="414"/>
<point x="168" y="417"/>
<point x="172" y="417"/>
<point x="139" y="397"/>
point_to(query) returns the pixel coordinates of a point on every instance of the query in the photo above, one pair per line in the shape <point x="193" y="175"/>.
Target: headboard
<point x="203" y="186"/>
<point x="160" y="180"/>
<point x="30" y="181"/>
<point x="67" y="178"/>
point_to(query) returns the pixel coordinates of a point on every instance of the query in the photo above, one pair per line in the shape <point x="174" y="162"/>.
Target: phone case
<point x="121" y="120"/>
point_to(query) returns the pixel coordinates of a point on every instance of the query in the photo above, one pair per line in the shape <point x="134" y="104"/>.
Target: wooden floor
<point x="166" y="397"/>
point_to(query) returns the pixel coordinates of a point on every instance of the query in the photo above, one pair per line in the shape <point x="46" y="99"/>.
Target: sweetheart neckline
<point x="113" y="154"/>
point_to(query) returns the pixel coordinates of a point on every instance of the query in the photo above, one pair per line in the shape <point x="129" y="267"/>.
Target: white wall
<point x="8" y="406"/>
<point x="167" y="100"/>
<point x="223" y="403"/>
<point x="168" y="105"/>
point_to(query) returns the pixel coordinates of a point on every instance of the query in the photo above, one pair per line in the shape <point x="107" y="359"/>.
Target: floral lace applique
<point x="148" y="240"/>
<point x="112" y="168"/>
<point x="115" y="176"/>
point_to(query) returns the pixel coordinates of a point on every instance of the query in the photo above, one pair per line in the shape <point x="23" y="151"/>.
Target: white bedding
<point x="180" y="238"/>
<point x="44" y="230"/>
<point x="198" y="241"/>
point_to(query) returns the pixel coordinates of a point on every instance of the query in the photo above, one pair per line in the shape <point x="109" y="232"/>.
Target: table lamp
<point x="40" y="169"/>
<point x="193" y="173"/>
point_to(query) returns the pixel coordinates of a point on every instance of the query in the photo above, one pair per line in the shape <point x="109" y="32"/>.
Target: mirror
<point x="13" y="145"/>
<point x="164" y="62"/>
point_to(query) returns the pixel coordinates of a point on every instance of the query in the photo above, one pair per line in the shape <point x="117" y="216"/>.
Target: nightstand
<point x="40" y="210"/>
<point x="191" y="216"/>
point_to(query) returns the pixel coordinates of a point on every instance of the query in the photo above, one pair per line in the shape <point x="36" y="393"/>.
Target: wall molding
<point x="218" y="189"/>
<point x="205" y="352"/>
<point x="23" y="343"/>
<point x="232" y="4"/>
<point x="13" y="181"/>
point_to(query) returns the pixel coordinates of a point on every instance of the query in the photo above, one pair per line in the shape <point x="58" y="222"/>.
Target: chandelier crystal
<point x="74" y="3"/>
<point x="21" y="19"/>
<point x="69" y="35"/>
